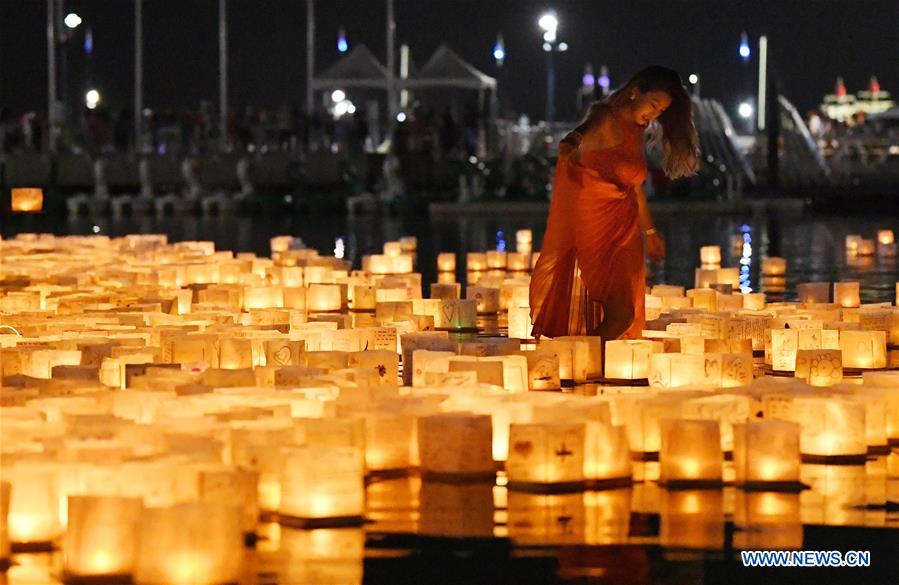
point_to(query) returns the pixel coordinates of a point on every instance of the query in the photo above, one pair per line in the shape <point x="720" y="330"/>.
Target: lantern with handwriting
<point x="456" y="445"/>
<point x="690" y="452"/>
<point x="321" y="484"/>
<point x="766" y="452"/>
<point x="27" y="199"/>
<point x="673" y="370"/>
<point x="551" y="453"/>
<point x="628" y="359"/>
<point x="487" y="298"/>
<point x="819" y="367"/>
<point x="190" y="544"/>
<point x="863" y="349"/>
<point x="101" y="539"/>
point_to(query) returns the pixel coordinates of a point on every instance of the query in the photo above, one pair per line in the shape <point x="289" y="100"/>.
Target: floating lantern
<point x="101" y="539"/>
<point x="710" y="256"/>
<point x="446" y="262"/>
<point x="476" y="261"/>
<point x="518" y="261"/>
<point x="690" y="452"/>
<point x="846" y="294"/>
<point x="814" y="292"/>
<point x="190" y="544"/>
<point x="27" y="199"/>
<point x="607" y="455"/>
<point x="574" y="357"/>
<point x="819" y="367"/>
<point x="628" y="359"/>
<point x="456" y="445"/>
<point x="390" y="442"/>
<point x="446" y="291"/>
<point x="543" y="369"/>
<point x="673" y="370"/>
<point x="774" y="266"/>
<point x="34" y="505"/>
<point x="766" y="452"/>
<point x="487" y="299"/>
<point x="323" y="298"/>
<point x="831" y="426"/>
<point x="5" y="493"/>
<point x="592" y="368"/>
<point x="541" y="454"/>
<point x="496" y="259"/>
<point x="321" y="484"/>
<point x="456" y="314"/>
<point x="863" y="349"/>
<point x="866" y="247"/>
<point x="524" y="236"/>
<point x="520" y="323"/>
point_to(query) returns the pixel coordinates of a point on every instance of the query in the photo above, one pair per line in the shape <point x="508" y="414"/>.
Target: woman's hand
<point x="655" y="247"/>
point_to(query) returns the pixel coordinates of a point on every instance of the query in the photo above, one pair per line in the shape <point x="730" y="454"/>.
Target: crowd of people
<point x="193" y="131"/>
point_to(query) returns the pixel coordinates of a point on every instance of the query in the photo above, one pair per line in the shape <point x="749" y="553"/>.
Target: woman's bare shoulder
<point x="602" y="130"/>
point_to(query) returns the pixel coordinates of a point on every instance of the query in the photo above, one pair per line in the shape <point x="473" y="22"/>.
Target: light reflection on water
<point x="813" y="245"/>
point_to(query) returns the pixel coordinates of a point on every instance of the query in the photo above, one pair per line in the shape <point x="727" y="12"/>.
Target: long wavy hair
<point x="678" y="138"/>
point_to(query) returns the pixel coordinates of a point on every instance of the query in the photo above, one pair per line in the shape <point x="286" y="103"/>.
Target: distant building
<point x="842" y="106"/>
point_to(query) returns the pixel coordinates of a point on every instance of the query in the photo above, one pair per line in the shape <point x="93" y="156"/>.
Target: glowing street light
<point x="342" y="44"/>
<point x="604" y="82"/>
<point x="694" y="79"/>
<point x="92" y="99"/>
<point x="745" y="110"/>
<point x="548" y="22"/>
<point x="72" y="20"/>
<point x="338" y="95"/>
<point x="744" y="47"/>
<point x="499" y="50"/>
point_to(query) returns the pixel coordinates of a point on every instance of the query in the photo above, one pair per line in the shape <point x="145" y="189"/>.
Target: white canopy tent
<point x="359" y="68"/>
<point x="446" y="68"/>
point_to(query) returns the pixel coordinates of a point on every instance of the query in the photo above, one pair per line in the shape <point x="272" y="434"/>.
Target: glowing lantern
<point x="283" y="352"/>
<point x="831" y="426"/>
<point x="363" y="298"/>
<point x="27" y="199"/>
<point x="518" y="262"/>
<point x="390" y="442"/>
<point x="101" y="539"/>
<point x="543" y="369"/>
<point x="690" y="452"/>
<point x="446" y="262"/>
<point x="766" y="452"/>
<point x="545" y="454"/>
<point x="852" y="243"/>
<point x="574" y="356"/>
<point x="392" y="249"/>
<point x="496" y="259"/>
<point x="476" y="261"/>
<point x="520" y="323"/>
<point x="813" y="292"/>
<point x="34" y="505"/>
<point x="607" y="454"/>
<point x="628" y="359"/>
<point x="819" y="367"/>
<point x="886" y="243"/>
<point x="446" y="291"/>
<point x="524" y="236"/>
<point x="846" y="294"/>
<point x="863" y="349"/>
<point x="456" y="445"/>
<point x="673" y="370"/>
<point x="774" y="266"/>
<point x="320" y="484"/>
<point x="866" y="247"/>
<point x="5" y="489"/>
<point x="322" y="298"/>
<point x="190" y="544"/>
<point x="753" y="301"/>
<point x="710" y="256"/>
<point x="487" y="298"/>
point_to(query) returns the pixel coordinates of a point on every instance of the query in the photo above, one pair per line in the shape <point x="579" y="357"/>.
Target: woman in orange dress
<point x="590" y="277"/>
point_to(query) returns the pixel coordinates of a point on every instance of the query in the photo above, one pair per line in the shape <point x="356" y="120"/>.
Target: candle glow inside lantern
<point x="690" y="452"/>
<point x="607" y="455"/>
<point x="545" y="453"/>
<point x="496" y="259"/>
<point x="819" y="367"/>
<point x="456" y="444"/>
<point x="190" y="544"/>
<point x="520" y="323"/>
<point x="101" y="538"/>
<point x="322" y="484"/>
<point x="774" y="266"/>
<point x="846" y="294"/>
<point x="322" y="298"/>
<point x="710" y="256"/>
<point x="813" y="292"/>
<point x="34" y="505"/>
<point x="5" y="493"/>
<point x="628" y="359"/>
<point x="692" y="519"/>
<point x="27" y="199"/>
<point x="446" y="262"/>
<point x="476" y="261"/>
<point x="766" y="452"/>
<point x="487" y="299"/>
<point x="831" y="427"/>
<point x="864" y="349"/>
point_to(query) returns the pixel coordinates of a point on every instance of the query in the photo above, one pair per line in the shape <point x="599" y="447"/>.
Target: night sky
<point x="811" y="42"/>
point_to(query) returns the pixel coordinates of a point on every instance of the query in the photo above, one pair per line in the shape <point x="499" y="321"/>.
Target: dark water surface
<point x="812" y="244"/>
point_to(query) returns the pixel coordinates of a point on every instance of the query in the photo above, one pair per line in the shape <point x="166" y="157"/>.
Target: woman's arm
<point x="595" y="133"/>
<point x="655" y="245"/>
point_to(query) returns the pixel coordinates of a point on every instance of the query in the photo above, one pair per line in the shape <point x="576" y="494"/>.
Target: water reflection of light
<point x="500" y="241"/>
<point x="746" y="260"/>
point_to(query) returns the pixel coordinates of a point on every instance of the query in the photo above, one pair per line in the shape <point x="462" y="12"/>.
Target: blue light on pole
<point x="88" y="42"/>
<point x="604" y="81"/>
<point x="499" y="50"/>
<point x="342" y="44"/>
<point x="744" y="47"/>
<point x="588" y="79"/>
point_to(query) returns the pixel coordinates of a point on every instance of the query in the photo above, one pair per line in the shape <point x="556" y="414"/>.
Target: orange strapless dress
<point x="590" y="277"/>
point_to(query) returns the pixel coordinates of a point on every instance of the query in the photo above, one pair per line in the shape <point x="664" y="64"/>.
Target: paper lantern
<point x="457" y="314"/>
<point x="692" y="519"/>
<point x="101" y="538"/>
<point x="628" y="359"/>
<point x="774" y="266"/>
<point x="518" y="261"/>
<point x="390" y="442"/>
<point x="541" y="454"/>
<point x="190" y="544"/>
<point x="866" y="247"/>
<point x="673" y="370"/>
<point x="323" y="298"/>
<point x="446" y="262"/>
<point x="690" y="452"/>
<point x="574" y="357"/>
<point x="362" y="298"/>
<point x="863" y="349"/>
<point x="496" y="259"/>
<point x="34" y="505"/>
<point x="753" y="301"/>
<point x="766" y="452"/>
<point x="607" y="454"/>
<point x="543" y="369"/>
<point x="710" y="256"/>
<point x="322" y="484"/>
<point x="819" y="367"/>
<point x="520" y="323"/>
<point x="446" y="291"/>
<point x="392" y="249"/>
<point x="487" y="299"/>
<point x="27" y="199"/>
<point x="446" y="277"/>
<point x="846" y="294"/>
<point x="524" y="236"/>
<point x="5" y="493"/>
<point x="852" y="243"/>
<point x="831" y="427"/>
<point x="476" y="261"/>
<point x="456" y="445"/>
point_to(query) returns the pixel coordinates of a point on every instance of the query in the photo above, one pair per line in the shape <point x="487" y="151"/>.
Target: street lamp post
<point x="549" y="23"/>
